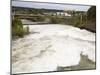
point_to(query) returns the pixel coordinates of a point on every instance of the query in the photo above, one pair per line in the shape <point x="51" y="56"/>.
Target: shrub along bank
<point x="17" y="28"/>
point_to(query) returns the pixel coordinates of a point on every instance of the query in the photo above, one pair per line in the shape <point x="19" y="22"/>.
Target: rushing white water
<point x="50" y="46"/>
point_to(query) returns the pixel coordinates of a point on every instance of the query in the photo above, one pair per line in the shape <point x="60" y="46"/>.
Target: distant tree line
<point x="22" y="10"/>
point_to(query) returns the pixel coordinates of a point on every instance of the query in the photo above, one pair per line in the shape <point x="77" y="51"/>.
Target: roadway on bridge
<point x="29" y="22"/>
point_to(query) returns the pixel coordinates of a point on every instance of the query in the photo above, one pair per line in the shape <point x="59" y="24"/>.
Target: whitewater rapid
<point x="49" y="46"/>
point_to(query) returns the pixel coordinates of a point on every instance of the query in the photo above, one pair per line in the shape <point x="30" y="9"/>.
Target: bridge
<point x="30" y="16"/>
<point x="28" y="22"/>
<point x="25" y="18"/>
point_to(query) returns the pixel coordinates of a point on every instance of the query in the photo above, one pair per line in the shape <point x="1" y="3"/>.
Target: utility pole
<point x="81" y="17"/>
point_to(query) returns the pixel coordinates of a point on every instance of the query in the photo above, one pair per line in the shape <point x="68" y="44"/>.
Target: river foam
<point x="51" y="46"/>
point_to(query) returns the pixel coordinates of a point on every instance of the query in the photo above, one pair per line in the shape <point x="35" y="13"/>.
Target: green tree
<point x="90" y="24"/>
<point x="91" y="13"/>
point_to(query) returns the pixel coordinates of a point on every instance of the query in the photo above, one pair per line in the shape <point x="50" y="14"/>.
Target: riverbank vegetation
<point x="83" y="20"/>
<point x="17" y="28"/>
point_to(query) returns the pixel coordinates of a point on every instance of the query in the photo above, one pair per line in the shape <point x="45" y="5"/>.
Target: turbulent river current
<point x="49" y="46"/>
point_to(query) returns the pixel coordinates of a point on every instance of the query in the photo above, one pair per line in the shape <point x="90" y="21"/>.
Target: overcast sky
<point x="50" y="5"/>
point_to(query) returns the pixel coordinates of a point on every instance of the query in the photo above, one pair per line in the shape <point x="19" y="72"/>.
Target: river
<point x="49" y="46"/>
